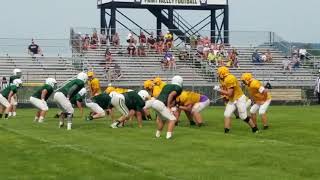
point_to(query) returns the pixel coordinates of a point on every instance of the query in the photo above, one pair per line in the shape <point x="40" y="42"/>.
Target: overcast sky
<point x="294" y="20"/>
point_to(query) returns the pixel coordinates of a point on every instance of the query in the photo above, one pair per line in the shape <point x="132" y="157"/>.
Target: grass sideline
<point x="290" y="149"/>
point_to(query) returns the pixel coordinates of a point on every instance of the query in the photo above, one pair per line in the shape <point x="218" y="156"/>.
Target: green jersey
<point x="13" y="78"/>
<point x="76" y="98"/>
<point x="133" y="101"/>
<point x="38" y="93"/>
<point x="167" y="89"/>
<point x="5" y="93"/>
<point x="103" y="100"/>
<point x="72" y="88"/>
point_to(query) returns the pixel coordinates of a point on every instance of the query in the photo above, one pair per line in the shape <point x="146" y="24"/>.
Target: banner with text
<point x="174" y="2"/>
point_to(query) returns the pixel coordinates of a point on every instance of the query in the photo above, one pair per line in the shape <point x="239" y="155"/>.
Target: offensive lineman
<point x="99" y="104"/>
<point x="260" y="96"/>
<point x="237" y="100"/>
<point x="127" y="104"/>
<point x="40" y="97"/>
<point x="63" y="95"/>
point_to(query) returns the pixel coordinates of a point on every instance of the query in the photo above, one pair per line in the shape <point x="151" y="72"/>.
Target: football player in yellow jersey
<point x="151" y="88"/>
<point x="192" y="104"/>
<point x="237" y="100"/>
<point x="260" y="96"/>
<point x="94" y="84"/>
<point x="111" y="88"/>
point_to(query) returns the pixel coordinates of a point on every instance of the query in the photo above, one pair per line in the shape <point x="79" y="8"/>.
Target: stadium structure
<point x="198" y="74"/>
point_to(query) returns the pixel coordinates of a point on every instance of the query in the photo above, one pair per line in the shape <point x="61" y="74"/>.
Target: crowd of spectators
<point x="215" y="54"/>
<point x="259" y="58"/>
<point x="297" y="57"/>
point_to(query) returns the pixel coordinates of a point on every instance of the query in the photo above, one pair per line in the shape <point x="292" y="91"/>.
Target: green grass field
<point x="290" y="149"/>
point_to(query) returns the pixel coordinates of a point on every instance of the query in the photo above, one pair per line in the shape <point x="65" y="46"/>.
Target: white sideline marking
<point x="73" y="147"/>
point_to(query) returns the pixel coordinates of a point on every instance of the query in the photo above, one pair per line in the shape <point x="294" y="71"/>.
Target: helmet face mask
<point x="148" y="85"/>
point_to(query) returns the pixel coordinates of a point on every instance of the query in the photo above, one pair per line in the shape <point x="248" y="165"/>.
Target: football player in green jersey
<point x="166" y="104"/>
<point x="63" y="96"/>
<point x="127" y="104"/>
<point x="98" y="106"/>
<point x="14" y="101"/>
<point x="6" y="95"/>
<point x="40" y="97"/>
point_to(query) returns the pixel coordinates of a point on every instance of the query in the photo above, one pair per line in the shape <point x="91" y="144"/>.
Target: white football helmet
<point x="177" y="80"/>
<point x="17" y="72"/>
<point x="51" y="82"/>
<point x="83" y="92"/>
<point x="83" y="77"/>
<point x="143" y="94"/>
<point x="17" y="82"/>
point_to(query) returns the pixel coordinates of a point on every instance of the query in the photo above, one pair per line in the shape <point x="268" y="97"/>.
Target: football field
<point x="290" y="149"/>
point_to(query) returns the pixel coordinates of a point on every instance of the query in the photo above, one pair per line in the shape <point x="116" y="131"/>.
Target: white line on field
<point x="89" y="153"/>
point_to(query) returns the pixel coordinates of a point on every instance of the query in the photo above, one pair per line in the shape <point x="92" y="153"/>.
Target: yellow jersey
<point x="253" y="88"/>
<point x="117" y="90"/>
<point x="94" y="85"/>
<point x="232" y="82"/>
<point x="188" y="97"/>
<point x="156" y="91"/>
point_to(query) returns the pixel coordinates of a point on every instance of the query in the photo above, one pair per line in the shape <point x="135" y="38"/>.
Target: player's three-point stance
<point x="6" y="95"/>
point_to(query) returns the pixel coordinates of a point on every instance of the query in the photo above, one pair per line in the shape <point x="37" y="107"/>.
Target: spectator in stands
<point x="302" y="54"/>
<point x="233" y="59"/>
<point x="211" y="57"/>
<point x="168" y="56"/>
<point x="141" y="50"/>
<point x="130" y="37"/>
<point x="103" y="38"/>
<point x="34" y="49"/>
<point x="200" y="48"/>
<point x="142" y="38"/>
<point x="160" y="43"/>
<point x="222" y="51"/>
<point x="268" y="56"/>
<point x="183" y="53"/>
<point x="256" y="58"/>
<point x="168" y="40"/>
<point x="108" y="58"/>
<point x="94" y="40"/>
<point x="286" y="64"/>
<point x="116" y="40"/>
<point x="4" y="83"/>
<point x="131" y="48"/>
<point x="193" y="42"/>
<point x="86" y="42"/>
<point x="317" y="87"/>
<point x="205" y="50"/>
<point x="151" y="41"/>
<point x="295" y="61"/>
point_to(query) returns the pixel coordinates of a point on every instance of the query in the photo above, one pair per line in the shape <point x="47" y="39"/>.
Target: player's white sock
<point x="169" y="135"/>
<point x="158" y="133"/>
<point x="40" y="119"/>
<point x="10" y="114"/>
<point x="36" y="119"/>
<point x="14" y="114"/>
<point x="69" y="126"/>
<point x="61" y="124"/>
